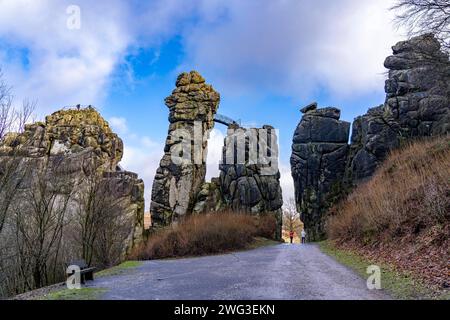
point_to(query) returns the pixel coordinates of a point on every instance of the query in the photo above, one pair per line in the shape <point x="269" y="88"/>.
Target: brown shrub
<point x="410" y="192"/>
<point x="266" y="226"/>
<point x="206" y="234"/>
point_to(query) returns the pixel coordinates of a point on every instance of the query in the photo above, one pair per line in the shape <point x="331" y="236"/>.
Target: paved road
<point x="275" y="272"/>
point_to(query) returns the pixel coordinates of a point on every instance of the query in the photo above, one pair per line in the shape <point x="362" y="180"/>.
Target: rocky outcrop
<point x="182" y="170"/>
<point x="373" y="136"/>
<point x="417" y="104"/>
<point x="209" y="199"/>
<point x="418" y="87"/>
<point x="249" y="180"/>
<point x="318" y="162"/>
<point x="249" y="175"/>
<point x="72" y="146"/>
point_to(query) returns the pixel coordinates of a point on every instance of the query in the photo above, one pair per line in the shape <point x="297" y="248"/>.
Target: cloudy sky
<point x="267" y="58"/>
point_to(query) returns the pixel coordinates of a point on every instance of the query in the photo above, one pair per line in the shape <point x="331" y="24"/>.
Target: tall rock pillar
<point x="182" y="169"/>
<point x="318" y="161"/>
<point x="249" y="175"/>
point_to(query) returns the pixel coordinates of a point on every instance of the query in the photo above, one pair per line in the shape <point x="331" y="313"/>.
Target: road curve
<point x="276" y="272"/>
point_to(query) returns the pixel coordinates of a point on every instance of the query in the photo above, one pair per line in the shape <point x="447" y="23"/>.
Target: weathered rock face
<point x="209" y="199"/>
<point x="73" y="145"/>
<point x="418" y="87"/>
<point x="246" y="182"/>
<point x="417" y="104"/>
<point x="318" y="161"/>
<point x="68" y="132"/>
<point x="182" y="169"/>
<point x="373" y="135"/>
<point x="250" y="181"/>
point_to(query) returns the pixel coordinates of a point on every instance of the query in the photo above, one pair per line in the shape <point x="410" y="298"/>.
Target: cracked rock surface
<point x="192" y="107"/>
<point x="417" y="104"/>
<point x="318" y="161"/>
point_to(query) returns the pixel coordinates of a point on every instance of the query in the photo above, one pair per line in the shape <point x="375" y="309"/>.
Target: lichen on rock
<point x="75" y="144"/>
<point x="192" y="106"/>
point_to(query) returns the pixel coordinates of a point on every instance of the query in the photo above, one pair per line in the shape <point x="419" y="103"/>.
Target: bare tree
<point x="39" y="219"/>
<point x="102" y="229"/>
<point x="425" y="16"/>
<point x="291" y="217"/>
<point x="25" y="114"/>
<point x="13" y="119"/>
<point x="11" y="177"/>
<point x="7" y="114"/>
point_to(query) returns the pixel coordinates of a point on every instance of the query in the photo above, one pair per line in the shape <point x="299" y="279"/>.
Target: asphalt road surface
<point x="276" y="272"/>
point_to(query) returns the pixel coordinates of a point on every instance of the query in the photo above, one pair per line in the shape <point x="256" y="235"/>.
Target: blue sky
<point x="267" y="58"/>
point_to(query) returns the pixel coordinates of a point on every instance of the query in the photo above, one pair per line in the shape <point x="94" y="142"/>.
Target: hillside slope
<point x="402" y="215"/>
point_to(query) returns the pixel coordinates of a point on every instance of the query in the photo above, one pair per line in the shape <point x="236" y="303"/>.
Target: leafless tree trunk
<point x="291" y="218"/>
<point x="39" y="219"/>
<point x="7" y="114"/>
<point x="11" y="177"/>
<point x="425" y="16"/>
<point x="10" y="119"/>
<point x="101" y="226"/>
<point x="12" y="174"/>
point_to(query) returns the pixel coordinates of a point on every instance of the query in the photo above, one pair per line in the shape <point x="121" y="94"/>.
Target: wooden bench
<point x="86" y="272"/>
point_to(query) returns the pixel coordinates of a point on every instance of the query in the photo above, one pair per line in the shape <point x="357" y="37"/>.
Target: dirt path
<point x="275" y="272"/>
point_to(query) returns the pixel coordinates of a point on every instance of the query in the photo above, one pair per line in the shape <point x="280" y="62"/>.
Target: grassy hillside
<point x="402" y="215"/>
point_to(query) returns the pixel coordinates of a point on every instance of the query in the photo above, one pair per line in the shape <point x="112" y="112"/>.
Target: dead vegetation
<point x="205" y="234"/>
<point x="402" y="215"/>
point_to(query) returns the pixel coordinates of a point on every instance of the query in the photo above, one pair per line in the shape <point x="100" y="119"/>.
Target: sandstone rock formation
<point x="418" y="87"/>
<point x="244" y="185"/>
<point x="318" y="162"/>
<point x="182" y="170"/>
<point x="73" y="145"/>
<point x="373" y="135"/>
<point x="417" y="105"/>
<point x="249" y="182"/>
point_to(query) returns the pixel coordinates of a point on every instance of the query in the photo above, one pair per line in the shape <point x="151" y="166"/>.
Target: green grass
<point x="398" y="284"/>
<point x="127" y="265"/>
<point x="75" y="294"/>
<point x="260" y="242"/>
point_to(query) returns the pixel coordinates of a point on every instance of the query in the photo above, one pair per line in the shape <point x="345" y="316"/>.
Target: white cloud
<point x="44" y="60"/>
<point x="287" y="47"/>
<point x="293" y="47"/>
<point x="144" y="161"/>
<point x="142" y="155"/>
<point x="57" y="66"/>
<point x="286" y="181"/>
<point x="119" y="124"/>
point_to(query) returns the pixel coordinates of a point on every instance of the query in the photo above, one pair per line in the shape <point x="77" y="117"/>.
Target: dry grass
<point x="206" y="234"/>
<point x="403" y="211"/>
<point x="410" y="192"/>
